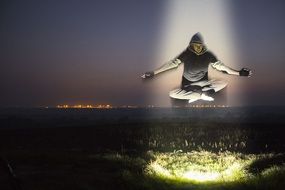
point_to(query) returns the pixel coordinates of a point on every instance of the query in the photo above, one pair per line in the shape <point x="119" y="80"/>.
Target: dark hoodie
<point x="196" y="65"/>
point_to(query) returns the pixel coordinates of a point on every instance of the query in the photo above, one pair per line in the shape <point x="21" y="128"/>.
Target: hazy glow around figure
<point x="183" y="19"/>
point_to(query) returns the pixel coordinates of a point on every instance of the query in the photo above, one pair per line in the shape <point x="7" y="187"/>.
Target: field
<point x="158" y="148"/>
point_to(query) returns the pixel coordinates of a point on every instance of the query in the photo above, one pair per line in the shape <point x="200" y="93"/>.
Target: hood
<point x="197" y="38"/>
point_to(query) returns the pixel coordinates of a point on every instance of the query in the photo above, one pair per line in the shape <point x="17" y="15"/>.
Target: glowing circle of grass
<point x="201" y="166"/>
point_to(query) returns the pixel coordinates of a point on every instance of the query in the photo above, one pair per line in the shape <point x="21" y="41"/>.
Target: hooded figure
<point x="195" y="84"/>
<point x="196" y="60"/>
<point x="197" y="40"/>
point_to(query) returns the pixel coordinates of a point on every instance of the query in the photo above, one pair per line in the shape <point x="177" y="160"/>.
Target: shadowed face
<point x="197" y="47"/>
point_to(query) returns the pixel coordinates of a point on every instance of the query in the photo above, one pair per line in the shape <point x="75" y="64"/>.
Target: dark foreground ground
<point x="108" y="149"/>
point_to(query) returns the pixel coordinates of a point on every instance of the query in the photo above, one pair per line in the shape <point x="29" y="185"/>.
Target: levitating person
<point x="195" y="84"/>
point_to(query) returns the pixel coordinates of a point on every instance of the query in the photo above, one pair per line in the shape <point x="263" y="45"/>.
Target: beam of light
<point x="183" y="19"/>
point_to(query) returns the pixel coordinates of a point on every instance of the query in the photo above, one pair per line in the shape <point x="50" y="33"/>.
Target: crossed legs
<point x="198" y="90"/>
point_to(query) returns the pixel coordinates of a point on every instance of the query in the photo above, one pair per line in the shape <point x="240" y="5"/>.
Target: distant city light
<point x="199" y="106"/>
<point x="79" y="106"/>
<point x="109" y="106"/>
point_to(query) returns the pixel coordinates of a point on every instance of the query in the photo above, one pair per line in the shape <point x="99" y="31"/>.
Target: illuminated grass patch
<point x="204" y="166"/>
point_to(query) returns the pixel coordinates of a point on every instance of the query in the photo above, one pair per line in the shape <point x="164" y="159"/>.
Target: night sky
<point x="261" y="41"/>
<point x="93" y="52"/>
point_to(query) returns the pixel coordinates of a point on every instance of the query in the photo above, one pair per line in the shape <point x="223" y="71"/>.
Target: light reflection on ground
<point x="204" y="166"/>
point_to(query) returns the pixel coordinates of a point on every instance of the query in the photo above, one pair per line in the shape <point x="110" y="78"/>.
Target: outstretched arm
<point x="225" y="69"/>
<point x="165" y="67"/>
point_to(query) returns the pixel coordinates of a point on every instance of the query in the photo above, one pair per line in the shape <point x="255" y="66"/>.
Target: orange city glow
<point x="79" y="106"/>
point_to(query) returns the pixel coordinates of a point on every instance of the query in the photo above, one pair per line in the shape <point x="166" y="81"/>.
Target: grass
<point x="202" y="170"/>
<point x="106" y="151"/>
<point x="151" y="170"/>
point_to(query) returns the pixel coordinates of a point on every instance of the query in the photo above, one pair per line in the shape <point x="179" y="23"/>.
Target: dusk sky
<point x="93" y="52"/>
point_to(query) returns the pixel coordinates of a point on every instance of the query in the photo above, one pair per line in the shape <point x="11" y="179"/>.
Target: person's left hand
<point x="245" y="72"/>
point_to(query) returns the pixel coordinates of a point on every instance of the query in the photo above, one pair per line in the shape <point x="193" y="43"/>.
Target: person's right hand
<point x="148" y="75"/>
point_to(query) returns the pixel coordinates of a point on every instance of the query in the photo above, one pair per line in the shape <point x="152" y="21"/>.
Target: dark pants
<point x="186" y="85"/>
